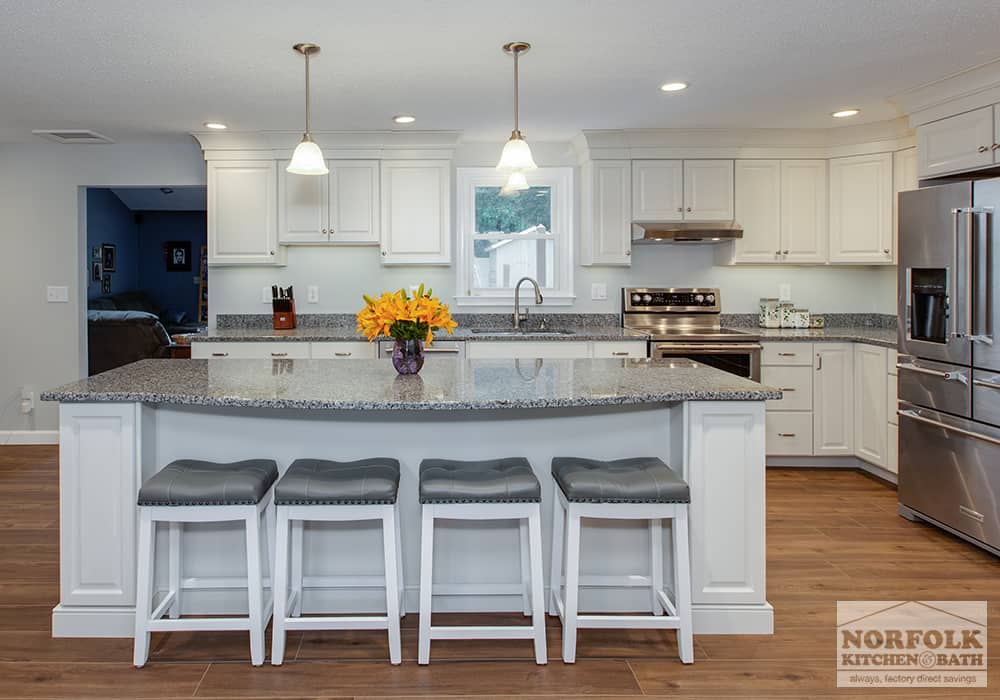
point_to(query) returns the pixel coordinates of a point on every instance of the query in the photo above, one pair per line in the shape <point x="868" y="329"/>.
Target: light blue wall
<point x="110" y="221"/>
<point x="174" y="291"/>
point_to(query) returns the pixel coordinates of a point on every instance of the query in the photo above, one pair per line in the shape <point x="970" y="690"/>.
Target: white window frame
<point x="560" y="180"/>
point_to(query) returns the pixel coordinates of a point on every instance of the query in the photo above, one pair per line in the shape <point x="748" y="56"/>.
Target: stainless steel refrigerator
<point x="949" y="363"/>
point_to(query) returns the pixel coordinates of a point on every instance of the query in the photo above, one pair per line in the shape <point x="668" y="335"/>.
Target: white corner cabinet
<point x="606" y="205"/>
<point x="861" y="197"/>
<point x="682" y="190"/>
<point x="339" y="208"/>
<point x="967" y="141"/>
<point x="242" y="213"/>
<point x="416" y="212"/>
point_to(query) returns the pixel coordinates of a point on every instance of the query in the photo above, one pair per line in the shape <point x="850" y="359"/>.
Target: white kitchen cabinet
<point x="242" y="213"/>
<point x="708" y="190"/>
<point x="657" y="190"/>
<point x="343" y="350"/>
<point x="757" y="207"/>
<point x="237" y="350"/>
<point x="618" y="348"/>
<point x="833" y="399"/>
<point x="786" y="353"/>
<point x="528" y="349"/>
<point x="416" y="212"/>
<point x="341" y="207"/>
<point x="861" y="209"/>
<point x="959" y="143"/>
<point x="796" y="384"/>
<point x="789" y="433"/>
<point x="904" y="178"/>
<point x="870" y="419"/>
<point x="804" y="215"/>
<point x="892" y="455"/>
<point x="606" y="201"/>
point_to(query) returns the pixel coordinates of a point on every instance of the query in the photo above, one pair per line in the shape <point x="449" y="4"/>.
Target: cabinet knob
<point x="689" y="208"/>
<point x="272" y="252"/>
<point x="784" y="252"/>
<point x="777" y="253"/>
<point x="383" y="253"/>
<point x="995" y="146"/>
<point x="324" y="232"/>
<point x="885" y="250"/>
<point x="983" y="149"/>
<point x="628" y="252"/>
<point x="680" y="208"/>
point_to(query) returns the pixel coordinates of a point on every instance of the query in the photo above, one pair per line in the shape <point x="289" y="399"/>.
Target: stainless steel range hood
<point x="685" y="231"/>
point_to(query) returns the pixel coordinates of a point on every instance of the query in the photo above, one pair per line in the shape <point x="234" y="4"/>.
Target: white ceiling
<point x="137" y="70"/>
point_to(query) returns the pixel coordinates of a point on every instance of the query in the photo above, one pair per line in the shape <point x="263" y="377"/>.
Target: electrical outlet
<point x="265" y="295"/>
<point x="599" y="291"/>
<point x="27" y="400"/>
<point x="57" y="294"/>
<point x="312" y="294"/>
<point x="785" y="291"/>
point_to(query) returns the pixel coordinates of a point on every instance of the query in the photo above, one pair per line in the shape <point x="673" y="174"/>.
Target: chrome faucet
<point x="518" y="316"/>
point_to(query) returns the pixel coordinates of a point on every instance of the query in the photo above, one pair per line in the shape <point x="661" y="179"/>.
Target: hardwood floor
<point x="832" y="535"/>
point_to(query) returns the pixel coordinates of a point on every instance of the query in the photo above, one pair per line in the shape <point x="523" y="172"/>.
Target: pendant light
<point x="516" y="155"/>
<point x="517" y="182"/>
<point x="308" y="158"/>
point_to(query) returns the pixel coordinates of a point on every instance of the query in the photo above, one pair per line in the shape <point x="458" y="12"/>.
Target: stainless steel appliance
<point x="685" y="322"/>
<point x="685" y="231"/>
<point x="949" y="364"/>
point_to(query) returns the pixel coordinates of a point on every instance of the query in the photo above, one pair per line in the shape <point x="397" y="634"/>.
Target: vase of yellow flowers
<point x="409" y="320"/>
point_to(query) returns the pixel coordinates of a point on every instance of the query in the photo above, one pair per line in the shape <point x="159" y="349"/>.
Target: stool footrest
<point x="199" y="624"/>
<point x="481" y="632"/>
<point x="628" y="621"/>
<point x="338" y="622"/>
<point x="478" y="588"/>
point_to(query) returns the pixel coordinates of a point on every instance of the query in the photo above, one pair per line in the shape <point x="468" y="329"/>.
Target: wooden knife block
<point x="285" y="320"/>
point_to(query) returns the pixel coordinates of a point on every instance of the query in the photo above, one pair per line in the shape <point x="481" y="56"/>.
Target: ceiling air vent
<point x="72" y="135"/>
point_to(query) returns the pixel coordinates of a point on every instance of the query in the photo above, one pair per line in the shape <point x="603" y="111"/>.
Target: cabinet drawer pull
<point x="983" y="149"/>
<point x="786" y="354"/>
<point x="220" y="354"/>
<point x="786" y="434"/>
<point x="787" y="388"/>
<point x="341" y="354"/>
<point x="620" y="354"/>
<point x="279" y="354"/>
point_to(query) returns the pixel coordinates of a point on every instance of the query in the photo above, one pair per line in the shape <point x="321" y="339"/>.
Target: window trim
<point x="560" y="179"/>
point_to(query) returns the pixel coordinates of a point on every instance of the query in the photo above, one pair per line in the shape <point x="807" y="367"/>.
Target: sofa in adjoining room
<point x="142" y="301"/>
<point x="116" y="338"/>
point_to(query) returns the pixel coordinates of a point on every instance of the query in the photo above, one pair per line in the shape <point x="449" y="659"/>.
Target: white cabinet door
<point x="251" y="350"/>
<point x="657" y="190"/>
<point x="904" y="178"/>
<point x="528" y="350"/>
<point x="354" y="201"/>
<point x="708" y="190"/>
<point x="606" y="201"/>
<point x="618" y="348"/>
<point x="242" y="212"/>
<point x="416" y="212"/>
<point x="343" y="350"/>
<point x="870" y="420"/>
<point x="958" y="143"/>
<point x="861" y="209"/>
<point x="833" y="399"/>
<point x="804" y="218"/>
<point x="789" y="433"/>
<point x="796" y="384"/>
<point x="303" y="207"/>
<point x="757" y="207"/>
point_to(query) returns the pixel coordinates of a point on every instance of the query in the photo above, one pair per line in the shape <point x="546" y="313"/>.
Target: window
<point x="503" y="238"/>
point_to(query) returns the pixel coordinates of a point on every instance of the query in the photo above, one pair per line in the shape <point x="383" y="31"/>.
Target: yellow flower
<point x="418" y="316"/>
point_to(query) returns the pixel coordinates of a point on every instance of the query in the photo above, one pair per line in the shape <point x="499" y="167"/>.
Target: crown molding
<point x="279" y="145"/>
<point x="966" y="90"/>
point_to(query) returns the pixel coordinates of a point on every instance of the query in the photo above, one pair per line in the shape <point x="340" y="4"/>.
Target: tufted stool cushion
<point x="324" y="482"/>
<point x="193" y="482"/>
<point x="507" y="480"/>
<point x="633" y="480"/>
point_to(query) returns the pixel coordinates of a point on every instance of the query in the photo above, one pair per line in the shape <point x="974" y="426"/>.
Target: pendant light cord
<point x="517" y="129"/>
<point x="307" y="94"/>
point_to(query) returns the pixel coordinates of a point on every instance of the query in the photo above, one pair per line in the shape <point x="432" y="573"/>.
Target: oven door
<point x="742" y="359"/>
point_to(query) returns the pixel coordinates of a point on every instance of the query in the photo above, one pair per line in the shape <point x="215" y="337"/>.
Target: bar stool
<point x="496" y="489"/>
<point x="326" y="491"/>
<point x="641" y="488"/>
<point x="195" y="491"/>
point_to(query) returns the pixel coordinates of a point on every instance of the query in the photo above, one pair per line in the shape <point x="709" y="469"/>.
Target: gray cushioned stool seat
<point x="193" y="482"/>
<point x="507" y="480"/>
<point x="634" y="480"/>
<point x="325" y="482"/>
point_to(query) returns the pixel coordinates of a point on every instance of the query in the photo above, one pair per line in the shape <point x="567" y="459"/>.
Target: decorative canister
<point x="785" y="314"/>
<point x="768" y="316"/>
<point x="800" y="318"/>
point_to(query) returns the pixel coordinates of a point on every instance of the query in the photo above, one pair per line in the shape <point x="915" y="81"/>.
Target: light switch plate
<point x="312" y="294"/>
<point x="599" y="291"/>
<point x="265" y="295"/>
<point x="58" y="295"/>
<point x="784" y="292"/>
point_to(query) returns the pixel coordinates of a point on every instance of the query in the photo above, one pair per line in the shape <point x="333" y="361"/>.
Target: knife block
<point x="284" y="319"/>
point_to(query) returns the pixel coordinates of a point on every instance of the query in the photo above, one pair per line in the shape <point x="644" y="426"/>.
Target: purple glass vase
<point x="408" y="356"/>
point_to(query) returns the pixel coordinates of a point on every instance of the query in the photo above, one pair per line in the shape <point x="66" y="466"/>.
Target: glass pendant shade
<point x="515" y="183"/>
<point x="307" y="159"/>
<point x="516" y="155"/>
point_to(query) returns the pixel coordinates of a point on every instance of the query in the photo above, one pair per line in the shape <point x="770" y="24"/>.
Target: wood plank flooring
<point x="832" y="535"/>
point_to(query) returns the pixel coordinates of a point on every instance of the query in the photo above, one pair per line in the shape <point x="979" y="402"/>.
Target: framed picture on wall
<point x="95" y="271"/>
<point x="178" y="256"/>
<point x="106" y="284"/>
<point x="95" y="253"/>
<point x="109" y="256"/>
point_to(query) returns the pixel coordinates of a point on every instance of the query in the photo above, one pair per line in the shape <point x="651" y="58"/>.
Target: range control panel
<point x="671" y="299"/>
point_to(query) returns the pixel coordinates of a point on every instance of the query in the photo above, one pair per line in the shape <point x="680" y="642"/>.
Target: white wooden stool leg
<point x="174" y="568"/>
<point x="298" y="528"/>
<point x="682" y="585"/>
<point x="572" y="585"/>
<point x="144" y="591"/>
<point x="390" y="548"/>
<point x="655" y="564"/>
<point x="270" y="539"/>
<point x="399" y="562"/>
<point x="279" y="588"/>
<point x="426" y="582"/>
<point x="537" y="585"/>
<point x="255" y="593"/>
<point x="526" y="602"/>
<point x="555" y="582"/>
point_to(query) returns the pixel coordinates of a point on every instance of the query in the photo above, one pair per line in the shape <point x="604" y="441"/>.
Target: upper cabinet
<point x="861" y="192"/>
<point x="242" y="217"/>
<point x="342" y="207"/>
<point x="804" y="211"/>
<point x="758" y="210"/>
<point x="606" y="201"/>
<point x="676" y="190"/>
<point x="416" y="212"/>
<point x="904" y="178"/>
<point x="964" y="142"/>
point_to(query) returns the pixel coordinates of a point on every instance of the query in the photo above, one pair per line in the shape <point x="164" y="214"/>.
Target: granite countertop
<point x="348" y="333"/>
<point x="883" y="337"/>
<point x="374" y="384"/>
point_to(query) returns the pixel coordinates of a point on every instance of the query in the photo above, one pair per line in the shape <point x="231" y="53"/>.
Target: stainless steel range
<point x="685" y="322"/>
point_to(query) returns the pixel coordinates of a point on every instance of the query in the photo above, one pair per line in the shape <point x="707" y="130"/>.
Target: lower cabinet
<point x="833" y="399"/>
<point x="789" y="433"/>
<point x="557" y="349"/>
<point x="870" y="419"/>
<point x="353" y="350"/>
<point x="289" y="350"/>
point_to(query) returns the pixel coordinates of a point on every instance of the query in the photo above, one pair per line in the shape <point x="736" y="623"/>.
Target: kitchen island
<point x="120" y="427"/>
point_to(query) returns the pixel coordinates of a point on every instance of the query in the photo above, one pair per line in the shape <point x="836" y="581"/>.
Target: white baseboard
<point x="29" y="437"/>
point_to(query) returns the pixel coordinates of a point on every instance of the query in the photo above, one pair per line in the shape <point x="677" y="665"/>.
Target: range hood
<point x="685" y="231"/>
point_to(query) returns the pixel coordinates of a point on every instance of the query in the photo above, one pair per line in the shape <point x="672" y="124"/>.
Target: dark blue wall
<point x="110" y="221"/>
<point x="175" y="291"/>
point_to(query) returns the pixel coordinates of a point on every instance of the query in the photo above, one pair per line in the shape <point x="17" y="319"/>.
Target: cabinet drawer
<point x="797" y="384"/>
<point x="250" y="351"/>
<point x="789" y="433"/>
<point x="351" y="350"/>
<point x="557" y="349"/>
<point x="892" y="399"/>
<point x="787" y="354"/>
<point x="615" y="348"/>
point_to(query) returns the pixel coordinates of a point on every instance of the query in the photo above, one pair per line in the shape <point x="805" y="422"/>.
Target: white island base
<point x="108" y="449"/>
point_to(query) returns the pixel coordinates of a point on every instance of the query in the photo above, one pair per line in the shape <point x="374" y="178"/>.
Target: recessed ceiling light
<point x="840" y="114"/>
<point x="673" y="87"/>
<point x="215" y="125"/>
<point x="404" y="119"/>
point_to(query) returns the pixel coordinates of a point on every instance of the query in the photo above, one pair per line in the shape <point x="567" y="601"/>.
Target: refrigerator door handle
<point x="913" y="415"/>
<point x="947" y="376"/>
<point x="953" y="301"/>
<point x="985" y="287"/>
<point x="985" y="385"/>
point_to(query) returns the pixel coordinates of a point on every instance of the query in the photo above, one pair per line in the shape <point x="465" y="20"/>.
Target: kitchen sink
<point x="512" y="332"/>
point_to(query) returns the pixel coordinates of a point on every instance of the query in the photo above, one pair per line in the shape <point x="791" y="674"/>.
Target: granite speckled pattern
<point x="832" y="320"/>
<point x="348" y="333"/>
<point x="374" y="384"/>
<point x="882" y="337"/>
